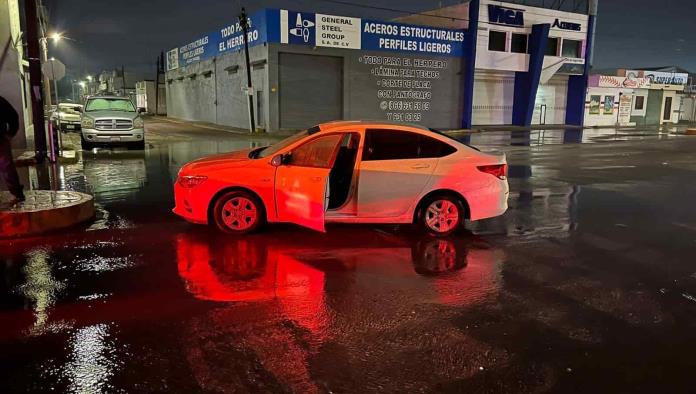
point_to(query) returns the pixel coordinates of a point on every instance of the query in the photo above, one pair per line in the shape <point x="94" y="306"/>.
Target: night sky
<point x="111" y="33"/>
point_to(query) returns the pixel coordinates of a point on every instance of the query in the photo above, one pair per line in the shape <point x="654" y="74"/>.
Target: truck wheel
<point x="139" y="145"/>
<point x="85" y="144"/>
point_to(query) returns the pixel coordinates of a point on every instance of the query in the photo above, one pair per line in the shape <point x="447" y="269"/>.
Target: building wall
<point x="11" y="70"/>
<point x="509" y="61"/>
<point x="211" y="90"/>
<point x="363" y="91"/>
<point x="596" y="115"/>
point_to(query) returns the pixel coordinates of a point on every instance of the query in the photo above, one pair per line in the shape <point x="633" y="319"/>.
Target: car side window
<point x="432" y="148"/>
<point x="316" y="153"/>
<point x="401" y="145"/>
<point x="390" y="145"/>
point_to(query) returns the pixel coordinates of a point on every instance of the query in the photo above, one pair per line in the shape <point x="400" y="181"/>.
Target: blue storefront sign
<point x="321" y="30"/>
<point x="228" y="38"/>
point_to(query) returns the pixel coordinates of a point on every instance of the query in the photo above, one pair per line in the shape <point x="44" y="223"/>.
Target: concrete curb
<point x="43" y="211"/>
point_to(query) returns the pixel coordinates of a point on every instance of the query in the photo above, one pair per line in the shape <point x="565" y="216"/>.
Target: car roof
<point x="108" y="97"/>
<point x="367" y="123"/>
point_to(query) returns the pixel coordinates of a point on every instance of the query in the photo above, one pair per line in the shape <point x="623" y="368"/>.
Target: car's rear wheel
<point x="238" y="212"/>
<point x="442" y="215"/>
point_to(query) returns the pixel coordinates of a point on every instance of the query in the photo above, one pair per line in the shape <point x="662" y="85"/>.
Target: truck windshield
<point x="109" y="104"/>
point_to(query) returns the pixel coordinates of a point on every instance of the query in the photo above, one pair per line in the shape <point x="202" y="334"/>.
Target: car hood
<point x="72" y="117"/>
<point x="225" y="160"/>
<point x="111" y="115"/>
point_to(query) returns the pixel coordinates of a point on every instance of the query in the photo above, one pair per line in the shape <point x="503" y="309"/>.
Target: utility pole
<point x="55" y="84"/>
<point x="244" y="23"/>
<point x="123" y="78"/>
<point x="35" y="79"/>
<point x="160" y="61"/>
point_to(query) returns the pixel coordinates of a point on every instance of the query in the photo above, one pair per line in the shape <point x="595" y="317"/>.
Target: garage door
<point x="493" y="96"/>
<point x="311" y="90"/>
<point x="550" y="105"/>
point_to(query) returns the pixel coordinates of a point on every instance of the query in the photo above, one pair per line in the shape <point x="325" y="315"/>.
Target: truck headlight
<point x="87" y="122"/>
<point x="138" y="122"/>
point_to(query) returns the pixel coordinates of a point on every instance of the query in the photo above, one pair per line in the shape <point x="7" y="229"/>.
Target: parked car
<point x="346" y="172"/>
<point x="67" y="117"/>
<point x="112" y="120"/>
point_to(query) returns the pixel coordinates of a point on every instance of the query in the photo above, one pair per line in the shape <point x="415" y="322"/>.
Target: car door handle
<point x="420" y="166"/>
<point x="315" y="178"/>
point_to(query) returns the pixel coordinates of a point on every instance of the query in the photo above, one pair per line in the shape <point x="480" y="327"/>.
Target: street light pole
<point x="244" y="23"/>
<point x="35" y="79"/>
<point x="55" y="84"/>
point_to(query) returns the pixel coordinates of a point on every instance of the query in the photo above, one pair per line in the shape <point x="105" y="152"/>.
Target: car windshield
<point x="277" y="147"/>
<point x="109" y="104"/>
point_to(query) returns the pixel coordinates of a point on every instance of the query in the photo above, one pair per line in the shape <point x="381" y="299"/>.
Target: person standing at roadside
<point x="9" y="125"/>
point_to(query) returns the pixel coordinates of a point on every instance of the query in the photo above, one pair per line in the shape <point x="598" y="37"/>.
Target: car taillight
<point x="497" y="170"/>
<point x="189" y="181"/>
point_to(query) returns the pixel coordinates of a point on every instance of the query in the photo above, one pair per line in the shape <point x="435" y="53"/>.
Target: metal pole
<point x="55" y="84"/>
<point x="159" y="59"/>
<point x="244" y="23"/>
<point x="35" y="79"/>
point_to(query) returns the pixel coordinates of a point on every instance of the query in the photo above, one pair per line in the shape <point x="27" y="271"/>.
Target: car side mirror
<point x="277" y="161"/>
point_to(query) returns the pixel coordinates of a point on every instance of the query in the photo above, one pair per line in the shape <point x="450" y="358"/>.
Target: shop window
<point x="552" y="47"/>
<point x="496" y="41"/>
<point x="572" y="48"/>
<point x="639" y="103"/>
<point x="519" y="43"/>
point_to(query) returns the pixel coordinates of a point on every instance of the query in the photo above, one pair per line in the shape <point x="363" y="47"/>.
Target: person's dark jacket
<point x="9" y="119"/>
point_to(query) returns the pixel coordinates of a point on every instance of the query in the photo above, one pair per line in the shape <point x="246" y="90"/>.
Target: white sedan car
<point x="346" y="172"/>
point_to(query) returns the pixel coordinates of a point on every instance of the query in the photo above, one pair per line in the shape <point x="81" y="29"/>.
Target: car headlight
<point x="189" y="181"/>
<point x="87" y="122"/>
<point x="138" y="123"/>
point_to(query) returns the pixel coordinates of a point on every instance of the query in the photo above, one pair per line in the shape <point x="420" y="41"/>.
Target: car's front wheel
<point x="238" y="212"/>
<point x="139" y="145"/>
<point x="442" y="215"/>
<point x="85" y="144"/>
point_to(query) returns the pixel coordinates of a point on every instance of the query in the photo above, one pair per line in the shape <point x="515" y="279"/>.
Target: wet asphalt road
<point x="587" y="284"/>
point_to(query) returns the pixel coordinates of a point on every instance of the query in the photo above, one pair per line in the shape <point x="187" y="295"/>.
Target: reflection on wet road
<point x="586" y="284"/>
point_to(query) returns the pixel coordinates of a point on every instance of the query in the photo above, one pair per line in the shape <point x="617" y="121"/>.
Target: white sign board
<point x="338" y="31"/>
<point x="173" y="59"/>
<point x="53" y="69"/>
<point x="659" y="77"/>
<point x="625" y="103"/>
